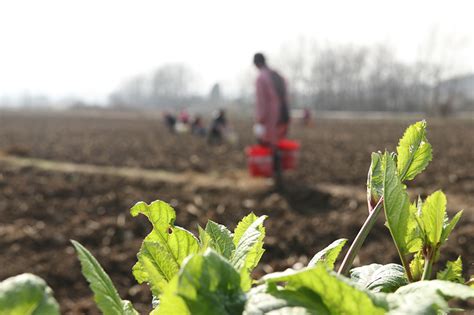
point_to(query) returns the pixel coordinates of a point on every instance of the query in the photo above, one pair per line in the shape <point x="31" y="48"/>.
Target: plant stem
<point x="427" y="269"/>
<point x="360" y="238"/>
<point x="406" y="265"/>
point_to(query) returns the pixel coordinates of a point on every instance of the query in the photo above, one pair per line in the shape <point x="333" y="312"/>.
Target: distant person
<point x="306" y="119"/>
<point x="218" y="127"/>
<point x="170" y="121"/>
<point x="184" y="117"/>
<point x="272" y="113"/>
<point x="197" y="126"/>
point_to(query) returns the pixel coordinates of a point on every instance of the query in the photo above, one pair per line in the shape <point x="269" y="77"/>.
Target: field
<point x="99" y="166"/>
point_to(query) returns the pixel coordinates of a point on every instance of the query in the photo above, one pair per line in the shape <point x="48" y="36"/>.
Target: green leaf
<point x="160" y="214"/>
<point x="380" y="278"/>
<point x="339" y="296"/>
<point x="27" y="294"/>
<point x="248" y="241"/>
<point x="105" y="294"/>
<point x="417" y="304"/>
<point x="170" y="302"/>
<point x="243" y="226"/>
<point x="206" y="284"/>
<point x="433" y="216"/>
<point x="164" y="248"/>
<point x="414" y="152"/>
<point x="427" y="297"/>
<point x="221" y="239"/>
<point x="204" y="239"/>
<point x="156" y="266"/>
<point x="279" y="301"/>
<point x="328" y="255"/>
<point x="415" y="237"/>
<point x="417" y="265"/>
<point x="452" y="272"/>
<point x="397" y="206"/>
<point x="375" y="179"/>
<point x="449" y="226"/>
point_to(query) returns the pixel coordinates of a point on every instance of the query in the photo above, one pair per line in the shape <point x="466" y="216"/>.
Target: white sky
<point x="87" y="48"/>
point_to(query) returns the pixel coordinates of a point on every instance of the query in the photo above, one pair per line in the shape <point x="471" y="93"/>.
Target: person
<point x="217" y="128"/>
<point x="170" y="121"/>
<point x="197" y="127"/>
<point x="306" y="119"/>
<point x="184" y="117"/>
<point x="272" y="113"/>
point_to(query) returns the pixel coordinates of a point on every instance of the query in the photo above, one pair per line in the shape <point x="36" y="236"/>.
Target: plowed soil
<point x="42" y="208"/>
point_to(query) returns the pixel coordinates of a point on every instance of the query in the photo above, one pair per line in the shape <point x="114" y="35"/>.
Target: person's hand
<point x="258" y="130"/>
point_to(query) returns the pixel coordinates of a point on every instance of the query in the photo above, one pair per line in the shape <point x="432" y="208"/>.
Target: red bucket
<point x="259" y="161"/>
<point x="290" y="151"/>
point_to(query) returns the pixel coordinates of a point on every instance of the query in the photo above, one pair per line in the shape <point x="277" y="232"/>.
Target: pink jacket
<point x="267" y="106"/>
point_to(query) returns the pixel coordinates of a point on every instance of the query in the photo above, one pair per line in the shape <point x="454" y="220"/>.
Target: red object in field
<point x="260" y="161"/>
<point x="290" y="151"/>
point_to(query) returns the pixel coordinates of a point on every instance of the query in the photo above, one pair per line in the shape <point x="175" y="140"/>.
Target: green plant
<point x="211" y="273"/>
<point x="419" y="228"/>
<point x="27" y="294"/>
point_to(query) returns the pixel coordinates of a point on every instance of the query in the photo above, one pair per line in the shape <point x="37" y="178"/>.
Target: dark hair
<point x="259" y="59"/>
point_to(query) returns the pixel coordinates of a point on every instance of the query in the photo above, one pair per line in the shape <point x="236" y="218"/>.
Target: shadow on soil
<point x="306" y="199"/>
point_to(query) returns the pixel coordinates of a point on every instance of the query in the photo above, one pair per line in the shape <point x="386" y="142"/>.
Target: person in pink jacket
<point x="272" y="113"/>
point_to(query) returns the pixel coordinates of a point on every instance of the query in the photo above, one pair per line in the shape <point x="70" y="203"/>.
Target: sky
<point x="87" y="48"/>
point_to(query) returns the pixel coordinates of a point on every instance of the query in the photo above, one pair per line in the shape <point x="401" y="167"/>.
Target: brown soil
<point x="42" y="208"/>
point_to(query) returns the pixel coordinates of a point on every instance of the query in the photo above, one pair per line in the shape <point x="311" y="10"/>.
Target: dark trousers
<point x="277" y="167"/>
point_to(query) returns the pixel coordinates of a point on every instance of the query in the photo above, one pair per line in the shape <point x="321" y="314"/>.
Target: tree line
<point x="329" y="77"/>
<point x="361" y="78"/>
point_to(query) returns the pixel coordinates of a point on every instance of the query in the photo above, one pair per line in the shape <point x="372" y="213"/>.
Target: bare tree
<point x="294" y="62"/>
<point x="438" y="61"/>
<point x="245" y="86"/>
<point x="215" y="95"/>
<point x="337" y="77"/>
<point x="169" y="85"/>
<point x="347" y="77"/>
